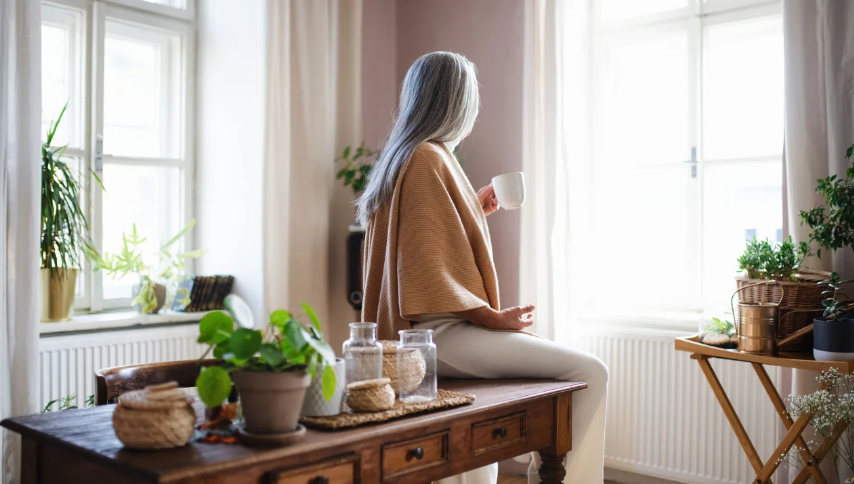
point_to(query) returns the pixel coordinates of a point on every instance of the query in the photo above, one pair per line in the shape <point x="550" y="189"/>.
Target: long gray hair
<point x="439" y="101"/>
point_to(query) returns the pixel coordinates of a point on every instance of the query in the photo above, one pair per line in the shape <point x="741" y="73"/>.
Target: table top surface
<point x="801" y="361"/>
<point x="90" y="431"/>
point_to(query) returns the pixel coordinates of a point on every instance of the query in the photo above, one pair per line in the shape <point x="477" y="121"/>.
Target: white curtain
<point x="555" y="144"/>
<point x="819" y="120"/>
<point x="313" y="110"/>
<point x="20" y="124"/>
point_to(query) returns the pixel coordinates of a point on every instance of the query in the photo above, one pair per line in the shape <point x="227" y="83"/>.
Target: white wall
<point x="230" y="143"/>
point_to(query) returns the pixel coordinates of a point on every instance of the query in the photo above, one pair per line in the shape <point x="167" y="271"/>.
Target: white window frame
<point x="693" y="19"/>
<point x="179" y="22"/>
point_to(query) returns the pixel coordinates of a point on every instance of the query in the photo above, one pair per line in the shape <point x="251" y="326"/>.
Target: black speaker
<point x="355" y="241"/>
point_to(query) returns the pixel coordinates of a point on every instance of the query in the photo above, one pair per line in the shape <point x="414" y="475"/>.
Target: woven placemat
<point x="346" y="419"/>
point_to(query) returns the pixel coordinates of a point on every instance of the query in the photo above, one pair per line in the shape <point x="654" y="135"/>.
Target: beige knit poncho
<point x="428" y="249"/>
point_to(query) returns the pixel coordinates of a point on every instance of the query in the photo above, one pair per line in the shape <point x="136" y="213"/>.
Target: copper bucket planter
<point x="756" y="325"/>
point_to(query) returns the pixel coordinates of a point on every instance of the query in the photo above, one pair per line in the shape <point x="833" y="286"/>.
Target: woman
<point x="428" y="261"/>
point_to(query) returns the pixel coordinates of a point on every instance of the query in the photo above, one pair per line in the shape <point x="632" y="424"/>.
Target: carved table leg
<point x="551" y="470"/>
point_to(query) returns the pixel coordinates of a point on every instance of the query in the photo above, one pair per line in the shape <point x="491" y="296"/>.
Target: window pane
<point x="741" y="201"/>
<point x="147" y="196"/>
<point x="613" y="10"/>
<point x="641" y="183"/>
<point x="142" y="92"/>
<point x="743" y="91"/>
<point x="644" y="95"/>
<point x="61" y="69"/>
<point x="182" y="4"/>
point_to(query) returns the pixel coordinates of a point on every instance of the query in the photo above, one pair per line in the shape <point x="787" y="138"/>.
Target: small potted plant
<point x="64" y="230"/>
<point x="149" y="296"/>
<point x="271" y="369"/>
<point x="833" y="334"/>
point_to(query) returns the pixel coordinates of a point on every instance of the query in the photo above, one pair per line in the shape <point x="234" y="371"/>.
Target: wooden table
<point x="802" y="361"/>
<point x="509" y="418"/>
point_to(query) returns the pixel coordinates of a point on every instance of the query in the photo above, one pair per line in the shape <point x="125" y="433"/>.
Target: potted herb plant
<point x="833" y="334"/>
<point x="149" y="296"/>
<point x="832" y="226"/>
<point x="271" y="369"/>
<point x="64" y="230"/>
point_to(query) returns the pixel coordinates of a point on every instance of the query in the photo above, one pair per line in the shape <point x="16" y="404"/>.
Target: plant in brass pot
<point x="158" y="282"/>
<point x="271" y="369"/>
<point x="832" y="229"/>
<point x="64" y="230"/>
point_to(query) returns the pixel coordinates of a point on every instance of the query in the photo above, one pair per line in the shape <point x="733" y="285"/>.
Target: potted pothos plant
<point x="64" y="229"/>
<point x="158" y="282"/>
<point x="271" y="368"/>
<point x="832" y="227"/>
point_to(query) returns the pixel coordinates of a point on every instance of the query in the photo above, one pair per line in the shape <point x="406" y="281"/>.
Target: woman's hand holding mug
<point x="486" y="196"/>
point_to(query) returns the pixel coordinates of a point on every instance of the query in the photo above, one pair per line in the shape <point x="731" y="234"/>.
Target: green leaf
<point x="328" y="382"/>
<point x="323" y="349"/>
<point x="221" y="349"/>
<point x="279" y="319"/>
<point x="214" y="385"/>
<point x="346" y="153"/>
<point x="294" y="334"/>
<point x="212" y="324"/>
<point x="245" y="342"/>
<point x="272" y="355"/>
<point x="312" y="316"/>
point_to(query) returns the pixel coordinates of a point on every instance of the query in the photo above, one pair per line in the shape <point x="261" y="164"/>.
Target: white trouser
<point x="466" y="351"/>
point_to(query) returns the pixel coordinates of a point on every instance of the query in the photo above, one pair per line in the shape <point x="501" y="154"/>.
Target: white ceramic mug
<point x="509" y="190"/>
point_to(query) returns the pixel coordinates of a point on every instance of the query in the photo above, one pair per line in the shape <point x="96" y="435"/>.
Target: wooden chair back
<point x="112" y="382"/>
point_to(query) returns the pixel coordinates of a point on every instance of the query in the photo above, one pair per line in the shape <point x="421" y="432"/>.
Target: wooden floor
<point x="507" y="479"/>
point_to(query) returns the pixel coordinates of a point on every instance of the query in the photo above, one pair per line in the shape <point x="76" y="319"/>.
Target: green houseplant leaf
<point x="213" y="385"/>
<point x="245" y="343"/>
<point x="328" y="382"/>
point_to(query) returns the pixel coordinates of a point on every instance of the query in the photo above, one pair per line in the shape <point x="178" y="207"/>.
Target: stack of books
<point x="209" y="292"/>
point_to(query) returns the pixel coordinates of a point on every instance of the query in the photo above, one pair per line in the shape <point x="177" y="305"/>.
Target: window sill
<point x="116" y="321"/>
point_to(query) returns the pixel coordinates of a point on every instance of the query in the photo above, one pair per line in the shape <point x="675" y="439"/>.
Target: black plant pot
<point x="833" y="340"/>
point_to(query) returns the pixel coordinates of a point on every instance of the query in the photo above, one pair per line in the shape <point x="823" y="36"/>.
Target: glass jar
<point x="363" y="354"/>
<point x="416" y="356"/>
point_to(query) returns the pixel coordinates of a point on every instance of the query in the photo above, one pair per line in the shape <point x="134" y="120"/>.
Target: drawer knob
<point x="320" y="480"/>
<point x="501" y="432"/>
<point x="418" y="453"/>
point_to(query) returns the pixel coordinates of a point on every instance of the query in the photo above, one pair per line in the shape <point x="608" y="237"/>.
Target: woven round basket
<point x="800" y="305"/>
<point x="405" y="372"/>
<point x="158" y="417"/>
<point x="370" y="395"/>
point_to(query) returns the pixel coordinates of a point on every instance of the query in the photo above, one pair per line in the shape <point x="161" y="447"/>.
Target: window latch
<point x="693" y="162"/>
<point x="99" y="154"/>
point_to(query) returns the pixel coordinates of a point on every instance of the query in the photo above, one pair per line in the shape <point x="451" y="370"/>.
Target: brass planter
<point x="56" y="294"/>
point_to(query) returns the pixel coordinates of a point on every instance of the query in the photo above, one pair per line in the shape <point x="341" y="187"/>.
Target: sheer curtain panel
<point x="20" y="118"/>
<point x="819" y="122"/>
<point x="313" y="110"/>
<point x="555" y="144"/>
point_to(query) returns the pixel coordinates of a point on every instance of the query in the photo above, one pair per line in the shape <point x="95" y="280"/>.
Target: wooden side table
<point x="802" y="361"/>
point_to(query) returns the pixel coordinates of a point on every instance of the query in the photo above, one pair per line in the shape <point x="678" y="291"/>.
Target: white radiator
<point x="68" y="362"/>
<point x="664" y="420"/>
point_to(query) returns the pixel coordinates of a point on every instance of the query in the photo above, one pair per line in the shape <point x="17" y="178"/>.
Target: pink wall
<point x="490" y="33"/>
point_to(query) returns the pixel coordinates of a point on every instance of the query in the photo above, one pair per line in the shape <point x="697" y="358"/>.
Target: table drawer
<point x="499" y="432"/>
<point x="333" y="471"/>
<point x="415" y="455"/>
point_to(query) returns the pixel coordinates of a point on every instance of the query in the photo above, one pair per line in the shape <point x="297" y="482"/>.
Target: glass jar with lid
<point x="363" y="354"/>
<point x="416" y="364"/>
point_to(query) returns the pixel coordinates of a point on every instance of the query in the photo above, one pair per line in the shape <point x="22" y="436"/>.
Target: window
<point x="125" y="69"/>
<point x="686" y="149"/>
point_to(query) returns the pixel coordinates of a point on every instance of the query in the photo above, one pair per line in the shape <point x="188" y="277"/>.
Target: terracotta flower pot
<point x="833" y="340"/>
<point x="271" y="401"/>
